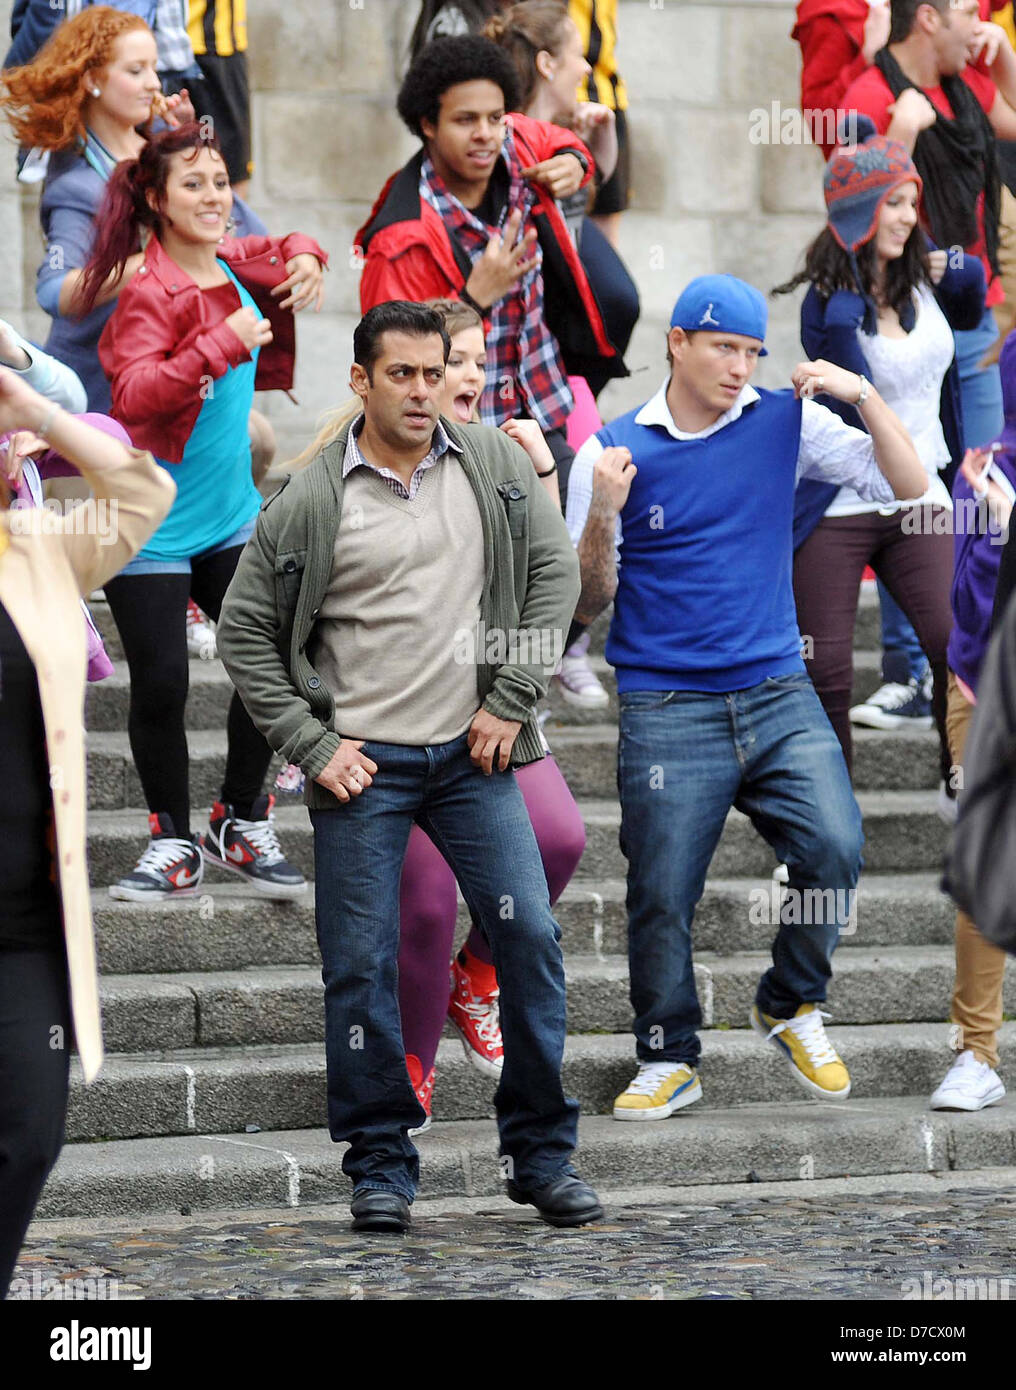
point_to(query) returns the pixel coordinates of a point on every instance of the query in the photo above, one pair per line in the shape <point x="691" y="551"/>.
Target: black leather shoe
<point x="380" y="1211"/>
<point x="567" y="1201"/>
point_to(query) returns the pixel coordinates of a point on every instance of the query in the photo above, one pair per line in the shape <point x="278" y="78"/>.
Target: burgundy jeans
<point x="916" y="569"/>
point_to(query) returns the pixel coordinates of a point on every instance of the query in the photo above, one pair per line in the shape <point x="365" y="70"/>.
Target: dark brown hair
<point x="126" y="209"/>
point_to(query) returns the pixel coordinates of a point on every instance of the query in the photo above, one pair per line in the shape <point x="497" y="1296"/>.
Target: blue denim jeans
<point x="684" y="759"/>
<point x="980" y="387"/>
<point x="481" y="826"/>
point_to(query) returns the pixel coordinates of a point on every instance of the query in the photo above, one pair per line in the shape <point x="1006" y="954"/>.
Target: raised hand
<point x="503" y="264"/>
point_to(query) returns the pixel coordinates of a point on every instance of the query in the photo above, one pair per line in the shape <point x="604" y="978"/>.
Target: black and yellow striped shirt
<point x="596" y="21"/>
<point x="217" y="26"/>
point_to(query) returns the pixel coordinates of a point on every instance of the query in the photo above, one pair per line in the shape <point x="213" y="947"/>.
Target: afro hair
<point x="445" y="63"/>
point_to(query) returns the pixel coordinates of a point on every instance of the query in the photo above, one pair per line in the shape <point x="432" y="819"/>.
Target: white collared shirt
<point x="830" y="451"/>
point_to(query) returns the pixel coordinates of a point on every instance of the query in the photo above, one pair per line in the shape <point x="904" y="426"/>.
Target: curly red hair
<point x="44" y="98"/>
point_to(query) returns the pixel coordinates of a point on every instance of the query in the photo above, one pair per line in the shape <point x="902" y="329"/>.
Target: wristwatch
<point x="863" y="389"/>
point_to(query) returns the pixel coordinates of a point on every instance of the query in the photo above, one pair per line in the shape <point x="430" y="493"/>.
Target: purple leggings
<point x="427" y="904"/>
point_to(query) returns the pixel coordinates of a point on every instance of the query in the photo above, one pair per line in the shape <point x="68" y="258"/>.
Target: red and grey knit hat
<point x="859" y="178"/>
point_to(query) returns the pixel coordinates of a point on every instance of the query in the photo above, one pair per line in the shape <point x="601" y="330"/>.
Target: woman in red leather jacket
<point x="205" y="321"/>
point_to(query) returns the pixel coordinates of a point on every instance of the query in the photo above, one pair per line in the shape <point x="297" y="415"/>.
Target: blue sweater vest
<point x="704" y="598"/>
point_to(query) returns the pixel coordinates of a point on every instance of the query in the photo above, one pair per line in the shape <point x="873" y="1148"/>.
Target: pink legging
<point x="427" y="904"/>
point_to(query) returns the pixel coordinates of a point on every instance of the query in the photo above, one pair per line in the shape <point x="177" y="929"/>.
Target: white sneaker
<point x="657" y="1091"/>
<point x="894" y="706"/>
<point x="200" y="633"/>
<point x="968" y="1085"/>
<point x="946" y="805"/>
<point x="575" y="678"/>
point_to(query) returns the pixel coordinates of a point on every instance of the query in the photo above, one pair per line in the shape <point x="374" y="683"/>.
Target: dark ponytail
<point x="126" y="209"/>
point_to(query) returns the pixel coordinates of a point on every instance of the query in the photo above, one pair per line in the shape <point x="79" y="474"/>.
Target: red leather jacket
<point x="410" y="255"/>
<point x="162" y="339"/>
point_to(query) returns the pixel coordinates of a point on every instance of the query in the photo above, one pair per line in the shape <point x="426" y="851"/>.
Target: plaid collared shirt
<point x="172" y="44"/>
<point x="524" y="367"/>
<point x="440" y="445"/>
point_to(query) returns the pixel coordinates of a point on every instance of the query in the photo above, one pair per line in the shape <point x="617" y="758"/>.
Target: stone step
<point x="234" y="927"/>
<point x="867" y="679"/>
<point x="106" y="702"/>
<point x="904" y="834"/>
<point x="760" y="1142"/>
<point x="284" y="1004"/>
<point x="884" y="760"/>
<point x="904" y="760"/>
<point x="113" y="781"/>
<point x="867" y="627"/>
<point x="225" y="1090"/>
<point x="902" y="829"/>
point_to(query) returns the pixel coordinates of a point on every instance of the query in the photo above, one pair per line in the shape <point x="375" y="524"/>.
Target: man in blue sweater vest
<point x="682" y="512"/>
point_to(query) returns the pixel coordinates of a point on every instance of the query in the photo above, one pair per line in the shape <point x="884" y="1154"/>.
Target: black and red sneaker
<point x="171" y="866"/>
<point x="251" y="848"/>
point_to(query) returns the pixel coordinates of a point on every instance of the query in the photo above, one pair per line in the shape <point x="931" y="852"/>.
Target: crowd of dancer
<point x="470" y="486"/>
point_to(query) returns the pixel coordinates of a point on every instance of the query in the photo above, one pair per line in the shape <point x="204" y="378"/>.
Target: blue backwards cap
<point x="722" y="304"/>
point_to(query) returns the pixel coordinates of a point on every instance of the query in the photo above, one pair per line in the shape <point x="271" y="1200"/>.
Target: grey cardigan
<point x="272" y="604"/>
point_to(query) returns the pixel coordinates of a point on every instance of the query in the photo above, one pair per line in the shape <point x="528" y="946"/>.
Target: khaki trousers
<point x="980" y="965"/>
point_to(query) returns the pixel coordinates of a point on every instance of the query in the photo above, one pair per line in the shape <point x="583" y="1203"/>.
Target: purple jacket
<point x="977" y="547"/>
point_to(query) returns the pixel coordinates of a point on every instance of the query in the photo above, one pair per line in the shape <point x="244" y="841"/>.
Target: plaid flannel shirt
<point x="524" y="368"/>
<point x="172" y="44"/>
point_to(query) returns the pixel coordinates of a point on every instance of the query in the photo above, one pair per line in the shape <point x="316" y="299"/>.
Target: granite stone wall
<point x="706" y="195"/>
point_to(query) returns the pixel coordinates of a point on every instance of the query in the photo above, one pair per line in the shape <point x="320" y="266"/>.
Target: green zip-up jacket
<point x="271" y="607"/>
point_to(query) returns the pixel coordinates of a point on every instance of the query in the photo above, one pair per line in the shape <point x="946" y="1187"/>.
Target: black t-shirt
<point x="492" y="204"/>
<point x="29" y="903"/>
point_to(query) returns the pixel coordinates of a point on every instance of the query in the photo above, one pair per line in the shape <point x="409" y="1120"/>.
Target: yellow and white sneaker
<point x="657" y="1091"/>
<point x="812" y="1057"/>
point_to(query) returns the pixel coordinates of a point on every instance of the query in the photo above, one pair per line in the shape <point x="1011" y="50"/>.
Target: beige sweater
<point x="406" y="583"/>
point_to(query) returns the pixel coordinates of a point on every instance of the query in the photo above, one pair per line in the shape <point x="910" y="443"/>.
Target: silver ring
<point x="820" y="382"/>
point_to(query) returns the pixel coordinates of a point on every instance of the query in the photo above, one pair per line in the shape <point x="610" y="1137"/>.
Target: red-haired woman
<point x="205" y="321"/>
<point x="88" y="98"/>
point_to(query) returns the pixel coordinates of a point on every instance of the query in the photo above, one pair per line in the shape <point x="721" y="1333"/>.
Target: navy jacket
<point x="829" y="330"/>
<point x="32" y="22"/>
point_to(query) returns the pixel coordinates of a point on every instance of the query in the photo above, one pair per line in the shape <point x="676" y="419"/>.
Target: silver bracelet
<point x="865" y="387"/>
<point x="47" y="421"/>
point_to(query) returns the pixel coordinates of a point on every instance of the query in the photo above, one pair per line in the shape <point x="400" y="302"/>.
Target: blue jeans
<point x="684" y="759"/>
<point x="980" y="388"/>
<point x="481" y="826"/>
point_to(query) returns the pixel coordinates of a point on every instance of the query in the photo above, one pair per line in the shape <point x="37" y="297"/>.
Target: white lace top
<point x="908" y="373"/>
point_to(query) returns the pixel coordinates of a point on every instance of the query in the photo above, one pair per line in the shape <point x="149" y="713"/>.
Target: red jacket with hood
<point x="410" y="255"/>
<point x="164" y="337"/>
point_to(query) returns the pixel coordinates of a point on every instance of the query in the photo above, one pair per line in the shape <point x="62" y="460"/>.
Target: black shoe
<point x="567" y="1201"/>
<point x="380" y="1211"/>
<point x="251" y="849"/>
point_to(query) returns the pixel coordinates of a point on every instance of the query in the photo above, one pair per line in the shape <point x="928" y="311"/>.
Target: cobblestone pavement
<point x="849" y="1245"/>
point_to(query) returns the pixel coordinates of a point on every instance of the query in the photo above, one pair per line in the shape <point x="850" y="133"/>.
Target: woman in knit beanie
<point x="882" y="302"/>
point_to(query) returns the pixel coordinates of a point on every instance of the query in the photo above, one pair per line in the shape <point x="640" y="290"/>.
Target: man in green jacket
<point x="392" y="624"/>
